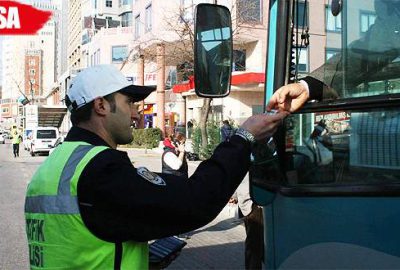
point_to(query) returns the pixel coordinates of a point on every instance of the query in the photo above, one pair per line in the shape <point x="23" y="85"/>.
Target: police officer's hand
<point x="289" y="97"/>
<point x="264" y="126"/>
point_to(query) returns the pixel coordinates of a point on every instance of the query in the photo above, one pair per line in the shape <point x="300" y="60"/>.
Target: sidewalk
<point x="218" y="245"/>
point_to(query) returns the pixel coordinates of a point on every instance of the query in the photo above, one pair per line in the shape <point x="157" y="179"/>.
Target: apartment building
<point x="85" y="18"/>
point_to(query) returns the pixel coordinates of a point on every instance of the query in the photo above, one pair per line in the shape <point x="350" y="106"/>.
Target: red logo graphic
<point x="21" y="19"/>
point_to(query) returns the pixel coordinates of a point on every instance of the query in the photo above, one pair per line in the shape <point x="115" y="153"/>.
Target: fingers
<point x="273" y="103"/>
<point x="289" y="97"/>
<point x="279" y="116"/>
<point x="279" y="97"/>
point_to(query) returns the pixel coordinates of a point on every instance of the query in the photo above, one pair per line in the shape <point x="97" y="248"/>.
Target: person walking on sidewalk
<point x="88" y="207"/>
<point x="226" y="131"/>
<point x="174" y="157"/>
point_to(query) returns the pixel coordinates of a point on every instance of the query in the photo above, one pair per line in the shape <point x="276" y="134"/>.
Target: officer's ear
<point x="100" y="106"/>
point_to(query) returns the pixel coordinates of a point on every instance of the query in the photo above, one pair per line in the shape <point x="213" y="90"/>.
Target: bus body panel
<point x="335" y="232"/>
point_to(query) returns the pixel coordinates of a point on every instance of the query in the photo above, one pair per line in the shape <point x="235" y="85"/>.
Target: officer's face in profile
<point x="120" y="120"/>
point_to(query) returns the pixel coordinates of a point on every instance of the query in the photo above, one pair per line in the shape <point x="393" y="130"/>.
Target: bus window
<point x="338" y="148"/>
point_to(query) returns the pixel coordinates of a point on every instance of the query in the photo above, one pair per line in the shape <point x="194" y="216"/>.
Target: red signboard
<point x="21" y="19"/>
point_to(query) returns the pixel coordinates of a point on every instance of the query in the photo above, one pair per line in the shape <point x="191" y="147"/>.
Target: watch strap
<point x="245" y="135"/>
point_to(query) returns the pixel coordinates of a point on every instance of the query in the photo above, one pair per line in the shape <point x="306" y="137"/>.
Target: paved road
<point x="14" y="175"/>
<point x="219" y="245"/>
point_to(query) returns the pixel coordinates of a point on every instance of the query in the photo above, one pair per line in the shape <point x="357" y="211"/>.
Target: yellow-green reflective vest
<point x="15" y="137"/>
<point x="57" y="236"/>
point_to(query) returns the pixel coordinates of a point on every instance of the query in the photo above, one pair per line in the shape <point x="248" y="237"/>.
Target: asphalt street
<point x="218" y="245"/>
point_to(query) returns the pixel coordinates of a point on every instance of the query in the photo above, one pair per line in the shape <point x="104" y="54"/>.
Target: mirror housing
<point x="213" y="51"/>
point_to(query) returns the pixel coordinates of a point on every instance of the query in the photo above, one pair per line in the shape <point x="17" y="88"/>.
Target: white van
<point x="43" y="139"/>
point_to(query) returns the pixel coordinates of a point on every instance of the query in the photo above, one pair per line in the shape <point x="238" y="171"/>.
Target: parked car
<point x="43" y="139"/>
<point x="59" y="141"/>
<point x="2" y="139"/>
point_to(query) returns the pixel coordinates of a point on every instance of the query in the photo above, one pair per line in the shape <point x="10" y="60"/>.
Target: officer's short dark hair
<point x="84" y="113"/>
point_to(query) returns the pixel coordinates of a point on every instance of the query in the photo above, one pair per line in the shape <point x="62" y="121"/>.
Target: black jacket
<point x="117" y="204"/>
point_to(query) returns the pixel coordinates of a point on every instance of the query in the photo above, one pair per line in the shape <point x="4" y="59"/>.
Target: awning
<point x="184" y="87"/>
<point x="237" y="79"/>
<point x="248" y="78"/>
<point x="51" y="116"/>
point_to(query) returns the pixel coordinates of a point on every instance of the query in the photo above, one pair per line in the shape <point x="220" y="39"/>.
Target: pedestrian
<point x="253" y="223"/>
<point x="226" y="131"/>
<point x="174" y="157"/>
<point x="16" y="140"/>
<point x="88" y="207"/>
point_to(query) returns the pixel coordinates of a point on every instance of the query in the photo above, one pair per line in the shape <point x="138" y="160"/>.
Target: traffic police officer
<point x="88" y="207"/>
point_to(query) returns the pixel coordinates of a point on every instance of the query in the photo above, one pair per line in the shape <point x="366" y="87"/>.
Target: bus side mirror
<point x="212" y="51"/>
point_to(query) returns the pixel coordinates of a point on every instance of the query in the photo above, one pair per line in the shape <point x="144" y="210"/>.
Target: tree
<point x="179" y="51"/>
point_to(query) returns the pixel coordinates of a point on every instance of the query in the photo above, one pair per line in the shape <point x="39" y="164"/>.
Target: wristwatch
<point x="245" y="135"/>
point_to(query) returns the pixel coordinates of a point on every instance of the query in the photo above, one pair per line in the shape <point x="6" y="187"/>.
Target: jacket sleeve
<point x="119" y="203"/>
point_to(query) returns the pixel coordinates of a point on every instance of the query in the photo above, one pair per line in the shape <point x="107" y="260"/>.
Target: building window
<point x="108" y="3"/>
<point x="366" y="20"/>
<point x="333" y="23"/>
<point x="32" y="62"/>
<point x="148" y="18"/>
<point x="172" y="78"/>
<point x="137" y="26"/>
<point x="119" y="53"/>
<point x="125" y="2"/>
<point x="126" y="19"/>
<point x="329" y="52"/>
<point x="302" y="64"/>
<point x="301" y="19"/>
<point x="239" y="60"/>
<point x="249" y="11"/>
<point x="32" y="72"/>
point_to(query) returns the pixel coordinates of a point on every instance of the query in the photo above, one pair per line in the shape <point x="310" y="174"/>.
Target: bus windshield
<point x="362" y="50"/>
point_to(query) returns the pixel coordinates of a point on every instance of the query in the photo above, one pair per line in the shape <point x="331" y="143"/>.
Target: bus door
<point x="329" y="180"/>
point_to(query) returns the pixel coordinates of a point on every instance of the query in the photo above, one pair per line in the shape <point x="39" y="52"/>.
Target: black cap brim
<point x="138" y="92"/>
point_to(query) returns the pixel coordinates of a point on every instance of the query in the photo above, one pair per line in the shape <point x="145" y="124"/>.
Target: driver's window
<point x="343" y="147"/>
<point x="333" y="148"/>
